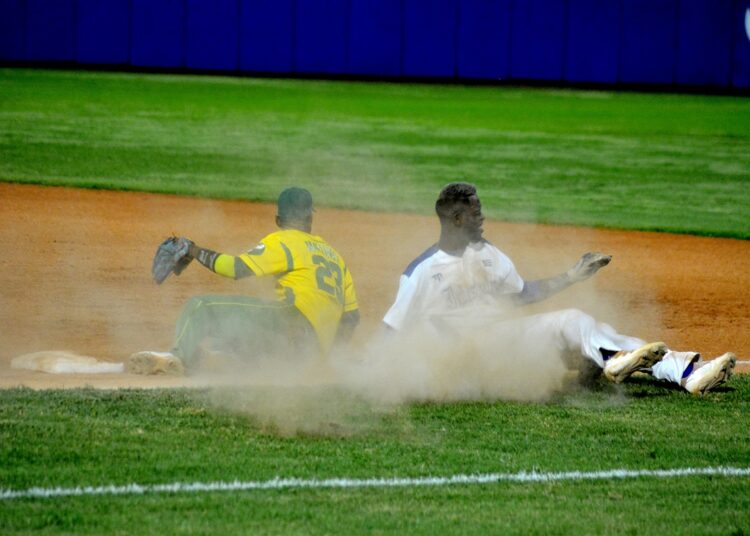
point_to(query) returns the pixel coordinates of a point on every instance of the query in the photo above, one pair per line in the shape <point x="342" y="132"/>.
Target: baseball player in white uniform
<point x="463" y="282"/>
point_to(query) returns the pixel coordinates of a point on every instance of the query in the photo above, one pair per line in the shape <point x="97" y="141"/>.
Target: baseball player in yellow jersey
<point x="316" y="306"/>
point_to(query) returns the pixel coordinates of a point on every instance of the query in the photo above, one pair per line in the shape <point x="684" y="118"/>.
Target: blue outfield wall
<point x="648" y="46"/>
<point x="266" y="36"/>
<point x="592" y="41"/>
<point x="704" y="48"/>
<point x="741" y="42"/>
<point x="375" y="37"/>
<point x="430" y="28"/>
<point x="695" y="43"/>
<point x="321" y="36"/>
<point x="157" y="33"/>
<point x="538" y="30"/>
<point x="50" y="30"/>
<point x="212" y="35"/>
<point x="13" y="30"/>
<point x="103" y="31"/>
<point x="484" y="39"/>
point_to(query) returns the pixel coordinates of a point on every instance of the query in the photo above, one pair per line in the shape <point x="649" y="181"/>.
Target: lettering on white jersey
<point x="438" y="277"/>
<point x="461" y="296"/>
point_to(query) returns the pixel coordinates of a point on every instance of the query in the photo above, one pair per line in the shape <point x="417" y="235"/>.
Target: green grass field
<point x="663" y="162"/>
<point x="637" y="161"/>
<point x="95" y="438"/>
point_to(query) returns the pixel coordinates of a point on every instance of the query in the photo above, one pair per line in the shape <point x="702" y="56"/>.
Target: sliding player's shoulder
<point x="423" y="260"/>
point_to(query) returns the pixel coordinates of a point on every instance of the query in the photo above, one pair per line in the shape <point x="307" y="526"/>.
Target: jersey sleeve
<point x="224" y="265"/>
<point x="271" y="256"/>
<point x="513" y="283"/>
<point x="509" y="281"/>
<point x="398" y="315"/>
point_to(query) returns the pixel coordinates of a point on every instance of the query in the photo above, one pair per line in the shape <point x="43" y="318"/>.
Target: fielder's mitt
<point x="171" y="257"/>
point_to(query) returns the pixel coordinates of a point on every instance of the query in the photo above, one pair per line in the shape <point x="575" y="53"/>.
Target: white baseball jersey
<point x="438" y="286"/>
<point x="443" y="293"/>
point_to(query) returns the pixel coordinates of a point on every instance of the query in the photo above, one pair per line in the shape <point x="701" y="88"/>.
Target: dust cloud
<point x="479" y="365"/>
<point x="289" y="399"/>
<point x="354" y="390"/>
<point x="73" y="295"/>
<point x="492" y="357"/>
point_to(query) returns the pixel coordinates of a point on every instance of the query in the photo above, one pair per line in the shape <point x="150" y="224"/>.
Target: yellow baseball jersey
<point x="310" y="274"/>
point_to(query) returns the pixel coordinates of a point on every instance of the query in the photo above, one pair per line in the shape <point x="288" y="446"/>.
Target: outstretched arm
<point x="541" y="289"/>
<point x="222" y="264"/>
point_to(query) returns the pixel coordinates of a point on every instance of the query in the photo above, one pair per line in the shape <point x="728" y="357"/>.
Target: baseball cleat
<point x="154" y="363"/>
<point x="712" y="374"/>
<point x="620" y="366"/>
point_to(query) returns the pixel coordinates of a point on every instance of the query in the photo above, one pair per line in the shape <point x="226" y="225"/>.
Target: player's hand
<point x="587" y="266"/>
<point x="193" y="248"/>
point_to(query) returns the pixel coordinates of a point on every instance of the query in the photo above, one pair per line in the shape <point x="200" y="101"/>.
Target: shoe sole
<point x="727" y="369"/>
<point x="643" y="358"/>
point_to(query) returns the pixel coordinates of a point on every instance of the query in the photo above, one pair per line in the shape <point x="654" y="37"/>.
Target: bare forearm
<point x="541" y="289"/>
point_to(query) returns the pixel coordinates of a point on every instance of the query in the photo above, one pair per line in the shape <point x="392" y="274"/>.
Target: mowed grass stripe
<point x="298" y="483"/>
<point x="628" y="160"/>
<point x="85" y="437"/>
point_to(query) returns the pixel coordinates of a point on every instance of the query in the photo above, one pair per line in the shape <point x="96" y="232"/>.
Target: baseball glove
<point x="172" y="256"/>
<point x="588" y="265"/>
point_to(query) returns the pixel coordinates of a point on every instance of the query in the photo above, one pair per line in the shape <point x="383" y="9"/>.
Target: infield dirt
<point x="75" y="274"/>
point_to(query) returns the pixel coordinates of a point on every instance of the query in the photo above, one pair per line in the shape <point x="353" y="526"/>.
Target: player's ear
<point x="458" y="218"/>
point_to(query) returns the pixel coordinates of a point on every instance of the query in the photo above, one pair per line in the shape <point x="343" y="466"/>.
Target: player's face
<point x="473" y="220"/>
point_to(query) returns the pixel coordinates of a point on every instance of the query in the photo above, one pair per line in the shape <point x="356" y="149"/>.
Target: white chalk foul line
<point x="299" y="483"/>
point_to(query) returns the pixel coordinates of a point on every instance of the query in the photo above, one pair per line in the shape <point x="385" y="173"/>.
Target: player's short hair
<point x="453" y="198"/>
<point x="295" y="204"/>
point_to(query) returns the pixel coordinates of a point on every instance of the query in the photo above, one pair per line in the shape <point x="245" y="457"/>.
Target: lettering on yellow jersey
<point x="317" y="247"/>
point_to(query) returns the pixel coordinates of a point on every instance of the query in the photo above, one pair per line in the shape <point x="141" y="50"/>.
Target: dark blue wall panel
<point x="593" y="40"/>
<point x="158" y="33"/>
<point x="430" y="31"/>
<point x="741" y="30"/>
<point x="683" y="42"/>
<point x="12" y="30"/>
<point x="649" y="41"/>
<point x="103" y="31"/>
<point x="267" y="36"/>
<point x="375" y="30"/>
<point x="212" y="35"/>
<point x="538" y="44"/>
<point x="321" y="29"/>
<point x="484" y="39"/>
<point x="705" y="42"/>
<point x="50" y="30"/>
